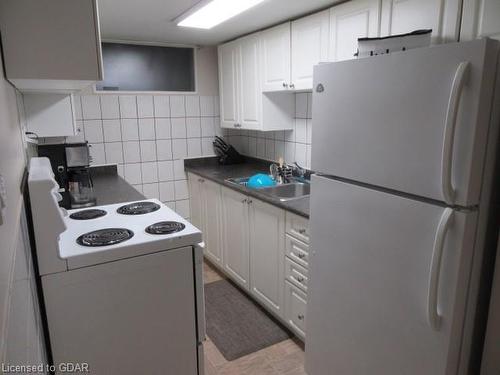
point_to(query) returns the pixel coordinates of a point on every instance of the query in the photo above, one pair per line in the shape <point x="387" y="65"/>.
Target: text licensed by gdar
<point x="63" y="368"/>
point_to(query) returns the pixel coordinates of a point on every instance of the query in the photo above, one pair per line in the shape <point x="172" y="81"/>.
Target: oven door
<point x="200" y="303"/>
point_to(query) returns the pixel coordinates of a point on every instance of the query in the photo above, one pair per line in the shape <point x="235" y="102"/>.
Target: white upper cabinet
<point x="480" y="18"/>
<point x="350" y="21"/>
<point x="250" y="93"/>
<point x="275" y="58"/>
<point x="228" y="64"/>
<point x="403" y="16"/>
<point x="309" y="47"/>
<point x="242" y="101"/>
<point x="51" y="45"/>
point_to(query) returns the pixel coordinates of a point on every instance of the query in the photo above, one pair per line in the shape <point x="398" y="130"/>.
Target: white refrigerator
<point x="404" y="148"/>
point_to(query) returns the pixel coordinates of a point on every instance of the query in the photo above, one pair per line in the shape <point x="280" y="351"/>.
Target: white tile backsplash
<point x="163" y="128"/>
<point x="164" y="149"/>
<point x="167" y="191"/>
<point x="110" y="107"/>
<point x="192" y="106"/>
<point x="151" y="191"/>
<point x="179" y="127"/>
<point x="91" y="108"/>
<point x="148" y="151"/>
<point x="161" y="106"/>
<point x="128" y="106"/>
<point x="131" y="152"/>
<point x="145" y="106"/>
<point x="130" y="130"/>
<point x="114" y="152"/>
<point x="93" y="131"/>
<point x="293" y="145"/>
<point x="177" y="106"/>
<point x="194" y="147"/>
<point x="148" y="137"/>
<point x="133" y="173"/>
<point x="179" y="148"/>
<point x="147" y="129"/>
<point x="149" y="172"/>
<point x="166" y="170"/>
<point x="207" y="127"/>
<point x="112" y="130"/>
<point x="193" y="127"/>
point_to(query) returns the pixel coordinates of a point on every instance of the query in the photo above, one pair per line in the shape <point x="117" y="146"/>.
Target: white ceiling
<point x="151" y="20"/>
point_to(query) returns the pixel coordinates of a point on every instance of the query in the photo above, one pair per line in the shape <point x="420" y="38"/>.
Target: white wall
<point x="16" y="299"/>
<point x="207" y="71"/>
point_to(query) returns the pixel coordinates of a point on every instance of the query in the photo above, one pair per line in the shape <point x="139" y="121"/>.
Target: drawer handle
<point x="300" y="279"/>
<point x="301" y="231"/>
<point x="301" y="255"/>
<point x="300" y="317"/>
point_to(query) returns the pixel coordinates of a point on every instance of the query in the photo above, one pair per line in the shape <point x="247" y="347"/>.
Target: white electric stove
<point x="122" y="283"/>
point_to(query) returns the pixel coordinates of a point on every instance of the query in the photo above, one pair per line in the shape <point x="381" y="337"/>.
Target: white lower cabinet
<point x="295" y="309"/>
<point x="257" y="245"/>
<point x="206" y="209"/>
<point x="267" y="226"/>
<point x="212" y="209"/>
<point x="235" y="242"/>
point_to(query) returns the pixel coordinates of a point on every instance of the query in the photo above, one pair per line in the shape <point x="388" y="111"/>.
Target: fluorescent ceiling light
<point x="216" y="12"/>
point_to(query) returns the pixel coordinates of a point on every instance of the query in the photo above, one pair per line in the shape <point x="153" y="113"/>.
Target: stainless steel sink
<point x="284" y="192"/>
<point x="287" y="192"/>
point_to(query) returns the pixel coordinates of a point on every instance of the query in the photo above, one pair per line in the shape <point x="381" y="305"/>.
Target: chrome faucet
<point x="300" y="171"/>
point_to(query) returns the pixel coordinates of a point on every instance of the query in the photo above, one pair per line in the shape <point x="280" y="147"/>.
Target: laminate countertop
<point x="110" y="188"/>
<point x="210" y="169"/>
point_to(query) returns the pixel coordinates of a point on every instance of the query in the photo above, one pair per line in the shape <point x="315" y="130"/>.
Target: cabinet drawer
<point x="298" y="227"/>
<point x="295" y="309"/>
<point x="297" y="251"/>
<point x="296" y="274"/>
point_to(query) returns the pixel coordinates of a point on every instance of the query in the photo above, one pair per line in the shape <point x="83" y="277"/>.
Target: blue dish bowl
<point x="260" y="180"/>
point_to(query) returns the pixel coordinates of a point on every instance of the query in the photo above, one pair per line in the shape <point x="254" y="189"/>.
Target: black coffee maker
<point x="71" y="165"/>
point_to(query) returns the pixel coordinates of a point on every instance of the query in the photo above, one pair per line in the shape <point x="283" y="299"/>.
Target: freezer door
<point x="388" y="282"/>
<point x="390" y="120"/>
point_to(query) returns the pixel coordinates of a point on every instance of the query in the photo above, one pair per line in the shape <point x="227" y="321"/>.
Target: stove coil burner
<point x="165" y="227"/>
<point x="105" y="237"/>
<point x="88" y="214"/>
<point x="138" y="208"/>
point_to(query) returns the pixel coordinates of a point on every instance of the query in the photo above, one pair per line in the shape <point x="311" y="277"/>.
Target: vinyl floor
<point x="284" y="358"/>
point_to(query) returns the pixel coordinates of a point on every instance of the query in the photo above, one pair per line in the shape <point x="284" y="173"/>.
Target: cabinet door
<point x="235" y="236"/>
<point x="309" y="47"/>
<point x="267" y="243"/>
<point x="249" y="92"/>
<point x="480" y="18"/>
<point x="196" y="209"/>
<point x="350" y="21"/>
<point x="228" y="55"/>
<point x="211" y="197"/>
<point x="275" y="58"/>
<point x="403" y="16"/>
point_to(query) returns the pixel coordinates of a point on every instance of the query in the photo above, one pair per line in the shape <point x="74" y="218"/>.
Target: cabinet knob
<point x="300" y="279"/>
<point x="249" y="201"/>
<point x="300" y="317"/>
<point x="302" y="231"/>
<point x="244" y="200"/>
<point x="237" y="125"/>
<point x="292" y="85"/>
<point x="301" y="255"/>
<point x="285" y="85"/>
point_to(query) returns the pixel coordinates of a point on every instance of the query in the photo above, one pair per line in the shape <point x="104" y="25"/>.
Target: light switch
<point x="3" y="199"/>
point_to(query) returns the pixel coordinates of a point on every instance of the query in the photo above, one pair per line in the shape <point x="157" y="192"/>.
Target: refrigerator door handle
<point x="449" y="132"/>
<point x="432" y="297"/>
